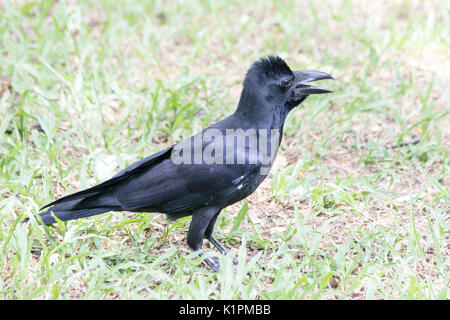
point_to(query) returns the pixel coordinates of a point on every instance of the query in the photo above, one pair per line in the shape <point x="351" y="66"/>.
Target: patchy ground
<point x="356" y="206"/>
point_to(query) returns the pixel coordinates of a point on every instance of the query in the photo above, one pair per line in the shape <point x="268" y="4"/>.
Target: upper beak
<point x="303" y="77"/>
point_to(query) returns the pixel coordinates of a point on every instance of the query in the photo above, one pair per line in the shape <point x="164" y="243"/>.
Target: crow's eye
<point x="286" y="83"/>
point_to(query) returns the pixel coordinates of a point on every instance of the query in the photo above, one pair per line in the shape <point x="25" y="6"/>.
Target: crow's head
<point x="277" y="85"/>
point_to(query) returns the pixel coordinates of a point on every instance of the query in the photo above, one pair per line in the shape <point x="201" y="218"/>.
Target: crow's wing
<point x="171" y="187"/>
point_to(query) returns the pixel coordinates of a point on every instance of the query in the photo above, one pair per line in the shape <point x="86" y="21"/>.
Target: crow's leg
<point x="201" y="219"/>
<point x="213" y="240"/>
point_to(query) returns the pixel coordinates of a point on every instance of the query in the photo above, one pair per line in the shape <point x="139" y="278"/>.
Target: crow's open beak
<point x="303" y="77"/>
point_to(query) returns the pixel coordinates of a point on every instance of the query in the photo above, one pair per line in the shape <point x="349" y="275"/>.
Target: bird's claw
<point x="213" y="263"/>
<point x="221" y="248"/>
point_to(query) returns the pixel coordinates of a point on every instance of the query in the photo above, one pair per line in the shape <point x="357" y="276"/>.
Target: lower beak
<point x="303" y="77"/>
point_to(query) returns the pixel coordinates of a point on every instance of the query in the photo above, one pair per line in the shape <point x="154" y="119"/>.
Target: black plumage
<point x="230" y="171"/>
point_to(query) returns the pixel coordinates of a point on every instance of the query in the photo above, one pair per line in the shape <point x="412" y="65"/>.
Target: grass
<point x="347" y="213"/>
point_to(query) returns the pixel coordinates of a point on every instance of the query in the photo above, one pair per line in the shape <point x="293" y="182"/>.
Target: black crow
<point x="215" y="168"/>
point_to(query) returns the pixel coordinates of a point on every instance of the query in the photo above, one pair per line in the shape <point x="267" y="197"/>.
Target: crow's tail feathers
<point x="80" y="208"/>
<point x="49" y="216"/>
<point x="100" y="198"/>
